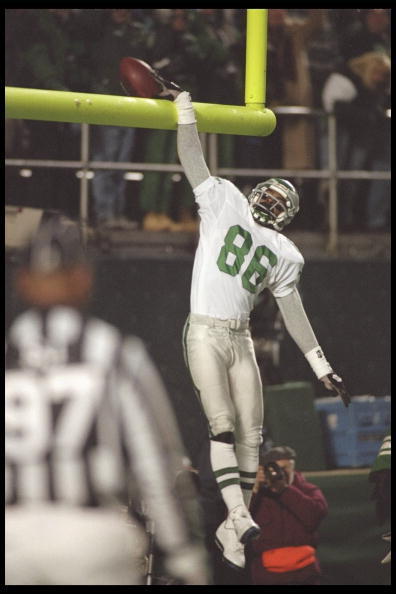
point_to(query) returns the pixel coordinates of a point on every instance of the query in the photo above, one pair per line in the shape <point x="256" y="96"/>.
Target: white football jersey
<point x="236" y="258"/>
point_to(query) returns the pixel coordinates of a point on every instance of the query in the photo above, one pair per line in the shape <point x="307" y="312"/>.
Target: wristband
<point x="185" y="110"/>
<point x="318" y="362"/>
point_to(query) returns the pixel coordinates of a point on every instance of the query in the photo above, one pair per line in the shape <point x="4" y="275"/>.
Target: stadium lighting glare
<point x="133" y="176"/>
<point x="86" y="174"/>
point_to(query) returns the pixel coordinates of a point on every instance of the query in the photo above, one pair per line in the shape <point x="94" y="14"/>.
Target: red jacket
<point x="286" y="520"/>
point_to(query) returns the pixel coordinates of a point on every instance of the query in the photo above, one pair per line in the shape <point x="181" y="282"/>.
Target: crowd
<point x="318" y="58"/>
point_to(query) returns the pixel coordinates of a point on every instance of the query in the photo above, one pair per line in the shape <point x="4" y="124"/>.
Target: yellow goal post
<point x="252" y="119"/>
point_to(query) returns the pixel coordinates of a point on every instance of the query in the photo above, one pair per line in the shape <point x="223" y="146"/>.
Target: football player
<point x="241" y="251"/>
<point x="86" y="417"/>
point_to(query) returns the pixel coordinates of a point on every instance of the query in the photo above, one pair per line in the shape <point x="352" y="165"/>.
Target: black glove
<point x="168" y="87"/>
<point x="277" y="479"/>
<point x="334" y="383"/>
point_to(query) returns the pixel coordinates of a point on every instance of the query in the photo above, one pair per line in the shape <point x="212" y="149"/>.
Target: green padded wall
<point x="350" y="544"/>
<point x="291" y="419"/>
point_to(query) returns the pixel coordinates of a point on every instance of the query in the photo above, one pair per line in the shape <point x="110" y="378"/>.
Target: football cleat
<point x="227" y="541"/>
<point x="244" y="526"/>
<point x="274" y="203"/>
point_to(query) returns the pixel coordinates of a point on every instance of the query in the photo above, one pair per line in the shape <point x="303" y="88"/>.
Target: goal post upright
<point x="256" y="57"/>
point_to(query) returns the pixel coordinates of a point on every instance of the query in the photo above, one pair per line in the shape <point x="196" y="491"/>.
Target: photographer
<point x="288" y="510"/>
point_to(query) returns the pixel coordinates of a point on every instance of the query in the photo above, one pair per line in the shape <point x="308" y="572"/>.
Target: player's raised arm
<point x="142" y="80"/>
<point x="189" y="146"/>
<point x="188" y="143"/>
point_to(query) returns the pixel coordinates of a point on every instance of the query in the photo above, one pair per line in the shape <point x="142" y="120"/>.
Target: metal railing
<point x="210" y="145"/>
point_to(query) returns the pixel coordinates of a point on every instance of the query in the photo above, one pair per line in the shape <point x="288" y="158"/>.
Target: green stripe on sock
<point x="228" y="470"/>
<point x="247" y="486"/>
<point x="233" y="481"/>
<point x="248" y="474"/>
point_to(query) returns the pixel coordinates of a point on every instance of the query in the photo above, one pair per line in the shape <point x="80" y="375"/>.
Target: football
<point x="137" y="79"/>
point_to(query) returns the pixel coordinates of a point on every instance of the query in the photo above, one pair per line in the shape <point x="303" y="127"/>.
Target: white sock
<point x="248" y="459"/>
<point x="225" y="467"/>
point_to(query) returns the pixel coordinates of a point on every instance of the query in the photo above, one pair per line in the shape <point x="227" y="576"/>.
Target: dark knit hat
<point x="56" y="246"/>
<point x="278" y="453"/>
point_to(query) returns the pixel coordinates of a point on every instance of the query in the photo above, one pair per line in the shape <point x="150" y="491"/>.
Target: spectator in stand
<point x="52" y="56"/>
<point x="324" y="58"/>
<point x="323" y="54"/>
<point x="292" y="145"/>
<point x="172" y="47"/>
<point x="56" y="56"/>
<point x="217" y="53"/>
<point x="122" y="34"/>
<point x="369" y="32"/>
<point x="196" y="47"/>
<point x="289" y="80"/>
<point x="216" y="41"/>
<point x="359" y="95"/>
<point x="289" y="510"/>
<point x="18" y="24"/>
<point x="17" y="140"/>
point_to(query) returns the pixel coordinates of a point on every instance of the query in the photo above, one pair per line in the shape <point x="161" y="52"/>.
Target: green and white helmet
<point x="274" y="203"/>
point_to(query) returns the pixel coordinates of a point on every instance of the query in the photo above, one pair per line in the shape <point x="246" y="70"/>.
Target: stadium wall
<point x="348" y="304"/>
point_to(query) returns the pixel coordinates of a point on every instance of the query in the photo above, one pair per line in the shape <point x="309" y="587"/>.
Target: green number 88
<point x="254" y="269"/>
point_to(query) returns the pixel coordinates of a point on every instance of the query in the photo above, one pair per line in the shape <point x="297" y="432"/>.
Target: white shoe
<point x="228" y="543"/>
<point x="245" y="527"/>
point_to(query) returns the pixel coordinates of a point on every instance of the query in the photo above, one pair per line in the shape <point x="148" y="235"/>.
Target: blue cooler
<point x="353" y="435"/>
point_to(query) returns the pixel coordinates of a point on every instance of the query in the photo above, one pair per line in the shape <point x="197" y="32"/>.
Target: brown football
<point x="137" y="79"/>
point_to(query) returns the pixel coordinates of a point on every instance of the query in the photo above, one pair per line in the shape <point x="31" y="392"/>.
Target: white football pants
<point x="221" y="359"/>
<point x="222" y="362"/>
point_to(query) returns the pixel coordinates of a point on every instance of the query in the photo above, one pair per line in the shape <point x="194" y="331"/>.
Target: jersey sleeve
<point x="213" y="194"/>
<point x="286" y="275"/>
<point x="190" y="154"/>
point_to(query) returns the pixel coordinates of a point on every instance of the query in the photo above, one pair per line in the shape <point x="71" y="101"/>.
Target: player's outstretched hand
<point x="169" y="89"/>
<point x="334" y="383"/>
<point x="140" y="79"/>
<point x="170" y="94"/>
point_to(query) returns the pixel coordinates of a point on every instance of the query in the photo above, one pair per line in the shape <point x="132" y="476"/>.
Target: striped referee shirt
<point x="87" y="416"/>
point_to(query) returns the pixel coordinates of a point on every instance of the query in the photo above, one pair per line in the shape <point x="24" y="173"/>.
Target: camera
<point x="274" y="471"/>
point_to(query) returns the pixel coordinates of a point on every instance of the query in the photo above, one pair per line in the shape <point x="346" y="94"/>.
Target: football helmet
<point x="274" y="203"/>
